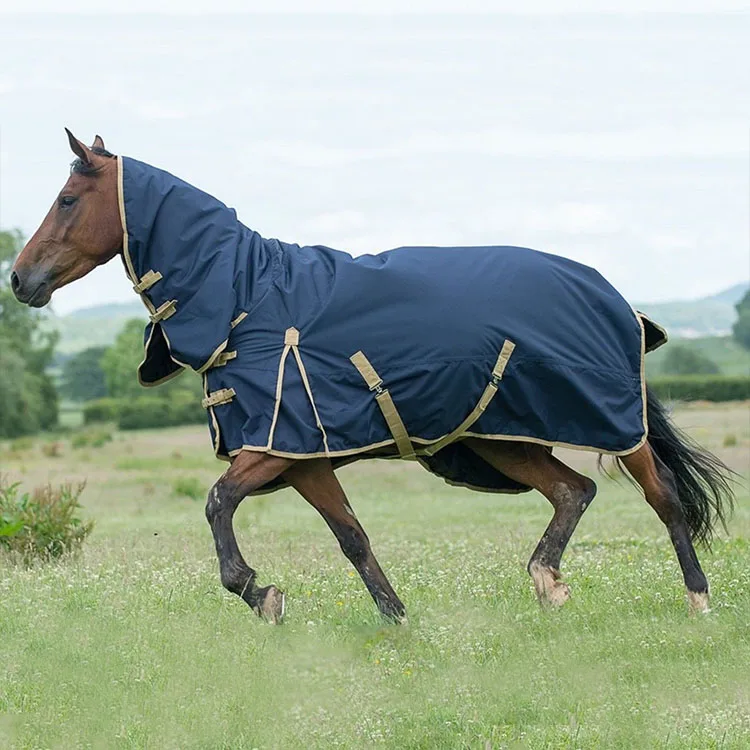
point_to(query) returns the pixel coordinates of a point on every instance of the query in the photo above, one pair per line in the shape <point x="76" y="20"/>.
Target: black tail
<point x="703" y="481"/>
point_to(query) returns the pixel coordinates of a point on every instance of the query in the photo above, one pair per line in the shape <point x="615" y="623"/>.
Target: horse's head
<point x="81" y="231"/>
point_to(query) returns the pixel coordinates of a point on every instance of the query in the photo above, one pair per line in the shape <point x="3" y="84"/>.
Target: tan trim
<point x="214" y="421"/>
<point x="143" y="362"/>
<point x="224" y="357"/>
<point x="277" y="403"/>
<point x="238" y="320"/>
<point x="484" y="401"/>
<point x="222" y="396"/>
<point x="644" y="405"/>
<point x="147" y="281"/>
<point x="123" y="220"/>
<point x="167" y="310"/>
<point x="306" y="383"/>
<point x="385" y="402"/>
<point x="209" y="363"/>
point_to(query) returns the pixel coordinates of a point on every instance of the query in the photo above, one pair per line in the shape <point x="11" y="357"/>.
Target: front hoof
<point x="271" y="604"/>
<point x="698" y="602"/>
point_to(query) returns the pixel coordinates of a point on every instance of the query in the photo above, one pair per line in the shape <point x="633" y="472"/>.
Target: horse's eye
<point x="67" y="201"/>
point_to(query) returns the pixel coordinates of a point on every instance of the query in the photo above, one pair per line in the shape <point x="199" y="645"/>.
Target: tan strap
<point x="385" y="402"/>
<point x="502" y="360"/>
<point x="167" y="310"/>
<point x="484" y="401"/>
<point x="223" y="358"/>
<point x="366" y="370"/>
<point x="222" y="396"/>
<point x="147" y="281"/>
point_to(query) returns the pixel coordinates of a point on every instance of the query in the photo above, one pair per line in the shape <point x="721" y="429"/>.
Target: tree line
<point x="105" y="377"/>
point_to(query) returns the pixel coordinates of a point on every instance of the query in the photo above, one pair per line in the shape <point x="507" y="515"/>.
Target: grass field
<point x="136" y="645"/>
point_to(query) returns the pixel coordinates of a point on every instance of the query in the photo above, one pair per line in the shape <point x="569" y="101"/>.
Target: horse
<point x="572" y="375"/>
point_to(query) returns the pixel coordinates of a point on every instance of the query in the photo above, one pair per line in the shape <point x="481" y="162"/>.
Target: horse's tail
<point x="703" y="481"/>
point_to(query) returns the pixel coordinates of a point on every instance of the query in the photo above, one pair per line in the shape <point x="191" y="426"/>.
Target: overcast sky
<point x="619" y="140"/>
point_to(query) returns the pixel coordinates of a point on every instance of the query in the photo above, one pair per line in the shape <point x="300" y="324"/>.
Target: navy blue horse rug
<point x="308" y="352"/>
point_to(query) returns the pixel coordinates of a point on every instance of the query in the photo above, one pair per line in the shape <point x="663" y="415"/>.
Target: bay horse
<point x="208" y="282"/>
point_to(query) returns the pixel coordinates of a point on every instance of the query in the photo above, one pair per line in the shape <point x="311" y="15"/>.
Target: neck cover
<point x="309" y="352"/>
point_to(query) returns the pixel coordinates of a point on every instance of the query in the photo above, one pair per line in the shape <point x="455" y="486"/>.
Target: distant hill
<point x="707" y="316"/>
<point x="700" y="318"/>
<point x="93" y="326"/>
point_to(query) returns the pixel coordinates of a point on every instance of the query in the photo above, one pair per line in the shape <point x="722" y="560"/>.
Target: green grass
<point x="136" y="645"/>
<point x="731" y="358"/>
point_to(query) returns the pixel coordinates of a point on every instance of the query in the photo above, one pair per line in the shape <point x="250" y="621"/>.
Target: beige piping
<point x="291" y="343"/>
<point x="385" y="402"/>
<point x="238" y="320"/>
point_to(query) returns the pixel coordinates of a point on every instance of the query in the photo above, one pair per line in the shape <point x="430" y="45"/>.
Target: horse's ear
<point x="83" y="152"/>
<point x="98" y="143"/>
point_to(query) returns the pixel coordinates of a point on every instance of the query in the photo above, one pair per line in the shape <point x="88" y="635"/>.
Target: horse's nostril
<point x="15" y="282"/>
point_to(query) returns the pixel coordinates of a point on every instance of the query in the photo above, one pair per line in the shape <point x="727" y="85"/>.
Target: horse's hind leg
<point x="569" y="492"/>
<point x="315" y="480"/>
<point x="659" y="488"/>
<point x="248" y="472"/>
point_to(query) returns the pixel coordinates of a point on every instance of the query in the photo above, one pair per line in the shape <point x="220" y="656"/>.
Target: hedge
<point x="177" y="408"/>
<point x="100" y="410"/>
<point x="701" y="387"/>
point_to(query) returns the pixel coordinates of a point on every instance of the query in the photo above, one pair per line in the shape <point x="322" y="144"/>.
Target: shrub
<point x="100" y="410"/>
<point x="702" y="387"/>
<point x="52" y="450"/>
<point x="177" y="408"/>
<point x="143" y="412"/>
<point x="94" y="438"/>
<point x="684" y="360"/>
<point x="42" y="525"/>
<point x="185" y="408"/>
<point x="188" y="487"/>
<point x="21" y="444"/>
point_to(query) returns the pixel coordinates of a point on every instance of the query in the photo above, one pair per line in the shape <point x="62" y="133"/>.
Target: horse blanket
<point x="309" y="352"/>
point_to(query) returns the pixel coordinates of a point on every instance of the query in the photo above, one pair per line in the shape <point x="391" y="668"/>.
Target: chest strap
<point x="147" y="281"/>
<point x="167" y="310"/>
<point x="222" y="396"/>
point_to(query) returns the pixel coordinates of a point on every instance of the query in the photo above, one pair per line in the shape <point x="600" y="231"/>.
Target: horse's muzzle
<point x="32" y="290"/>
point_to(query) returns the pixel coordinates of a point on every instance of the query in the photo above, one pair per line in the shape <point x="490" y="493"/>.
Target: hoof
<point x="550" y="590"/>
<point x="270" y="605"/>
<point x="698" y="602"/>
<point x="393" y="612"/>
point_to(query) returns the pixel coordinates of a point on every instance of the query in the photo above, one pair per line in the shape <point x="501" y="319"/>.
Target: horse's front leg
<point x="248" y="472"/>
<point x="315" y="480"/>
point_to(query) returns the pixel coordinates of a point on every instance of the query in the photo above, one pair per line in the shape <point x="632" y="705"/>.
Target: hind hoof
<point x="271" y="605"/>
<point x="550" y="590"/>
<point x="698" y="602"/>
